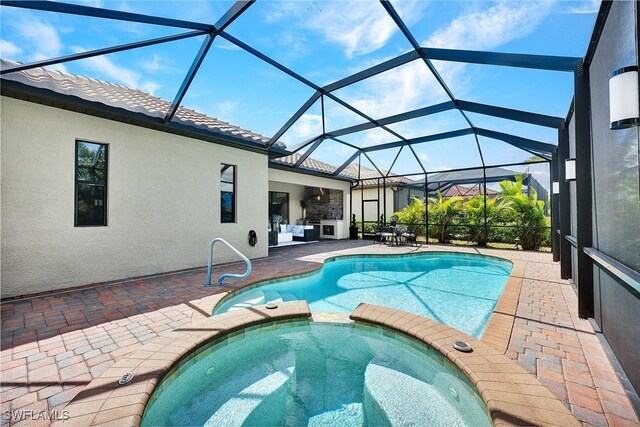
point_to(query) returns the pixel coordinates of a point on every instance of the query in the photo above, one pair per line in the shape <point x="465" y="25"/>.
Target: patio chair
<point x="387" y="235"/>
<point x="400" y="235"/>
<point x="410" y="236"/>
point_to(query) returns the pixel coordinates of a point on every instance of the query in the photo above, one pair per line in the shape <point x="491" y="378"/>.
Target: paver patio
<point x="54" y="344"/>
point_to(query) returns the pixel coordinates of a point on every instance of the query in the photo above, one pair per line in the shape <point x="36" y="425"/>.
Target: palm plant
<point x="413" y="214"/>
<point x="444" y="212"/>
<point x="474" y="209"/>
<point x="527" y="213"/>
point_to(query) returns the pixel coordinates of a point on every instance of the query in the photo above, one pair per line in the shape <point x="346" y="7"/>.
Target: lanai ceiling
<point x="406" y="87"/>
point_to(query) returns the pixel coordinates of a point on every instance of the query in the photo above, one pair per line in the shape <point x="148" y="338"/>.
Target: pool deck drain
<point x="54" y="344"/>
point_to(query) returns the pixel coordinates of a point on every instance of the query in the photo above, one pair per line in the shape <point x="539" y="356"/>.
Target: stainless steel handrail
<point x="226" y="275"/>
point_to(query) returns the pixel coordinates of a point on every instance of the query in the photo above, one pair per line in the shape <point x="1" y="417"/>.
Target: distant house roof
<point x="101" y="93"/>
<point x="471" y="176"/>
<point x="370" y="177"/>
<point x="465" y="191"/>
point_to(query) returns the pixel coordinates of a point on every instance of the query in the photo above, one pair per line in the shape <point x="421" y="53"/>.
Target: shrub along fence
<point x="510" y="217"/>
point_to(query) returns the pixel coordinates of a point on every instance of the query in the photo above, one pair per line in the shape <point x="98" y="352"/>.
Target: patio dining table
<point x="394" y="235"/>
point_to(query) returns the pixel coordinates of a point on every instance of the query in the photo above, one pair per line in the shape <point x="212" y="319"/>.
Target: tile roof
<point x="466" y="191"/>
<point x="309" y="164"/>
<point x="130" y="99"/>
<point x="370" y="175"/>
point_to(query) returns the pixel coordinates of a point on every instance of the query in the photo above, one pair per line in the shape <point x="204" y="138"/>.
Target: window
<point x="227" y="193"/>
<point x="279" y="205"/>
<point x="91" y="184"/>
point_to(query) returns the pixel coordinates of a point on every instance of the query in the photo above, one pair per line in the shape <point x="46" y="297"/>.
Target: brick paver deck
<point x="54" y="344"/>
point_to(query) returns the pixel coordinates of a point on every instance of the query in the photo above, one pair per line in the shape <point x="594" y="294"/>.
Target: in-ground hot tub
<point x="301" y="373"/>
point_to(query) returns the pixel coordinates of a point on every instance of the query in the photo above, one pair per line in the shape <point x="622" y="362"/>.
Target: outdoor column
<point x="555" y="209"/>
<point x="564" y="203"/>
<point x="484" y="183"/>
<point x="426" y="209"/>
<point x="583" y="191"/>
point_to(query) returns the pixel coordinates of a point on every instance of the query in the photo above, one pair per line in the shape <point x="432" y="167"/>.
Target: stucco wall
<point x="370" y="209"/>
<point x="163" y="201"/>
<point x="278" y="177"/>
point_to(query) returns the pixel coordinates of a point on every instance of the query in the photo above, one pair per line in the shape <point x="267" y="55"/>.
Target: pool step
<point x="348" y="415"/>
<point x="395" y="398"/>
<point x="259" y="297"/>
<point x="263" y="401"/>
<point x="251" y="298"/>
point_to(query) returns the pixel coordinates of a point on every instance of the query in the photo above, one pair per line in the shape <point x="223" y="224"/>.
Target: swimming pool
<point x="302" y="373"/>
<point x="460" y="290"/>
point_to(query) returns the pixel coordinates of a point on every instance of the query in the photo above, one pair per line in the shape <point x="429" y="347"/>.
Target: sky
<point x="325" y="41"/>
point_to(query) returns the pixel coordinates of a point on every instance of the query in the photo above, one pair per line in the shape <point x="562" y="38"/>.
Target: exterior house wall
<point x="278" y="178"/>
<point x="163" y="205"/>
<point x="370" y="209"/>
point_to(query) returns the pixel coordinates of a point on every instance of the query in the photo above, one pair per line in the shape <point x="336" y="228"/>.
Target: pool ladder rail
<point x="226" y="275"/>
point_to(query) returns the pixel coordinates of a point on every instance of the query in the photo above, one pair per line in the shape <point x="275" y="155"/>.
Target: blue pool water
<point x="317" y="375"/>
<point x="459" y="290"/>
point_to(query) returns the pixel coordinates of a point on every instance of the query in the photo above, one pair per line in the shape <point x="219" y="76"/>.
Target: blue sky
<point x="325" y="41"/>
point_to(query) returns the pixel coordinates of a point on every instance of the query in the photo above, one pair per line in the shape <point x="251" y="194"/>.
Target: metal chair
<point x="411" y="235"/>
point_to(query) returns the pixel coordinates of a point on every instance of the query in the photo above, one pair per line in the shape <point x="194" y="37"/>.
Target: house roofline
<point x="24" y="92"/>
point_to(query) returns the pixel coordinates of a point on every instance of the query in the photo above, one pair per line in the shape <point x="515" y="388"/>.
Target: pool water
<point x="459" y="290"/>
<point x="316" y="374"/>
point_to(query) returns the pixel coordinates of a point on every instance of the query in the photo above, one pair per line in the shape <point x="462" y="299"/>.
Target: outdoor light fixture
<point x="555" y="188"/>
<point x="623" y="98"/>
<point x="570" y="170"/>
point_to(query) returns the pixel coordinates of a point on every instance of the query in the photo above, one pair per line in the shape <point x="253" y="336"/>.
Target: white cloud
<point x="309" y="125"/>
<point x="424" y="157"/>
<point x="149" y="87"/>
<point x="156" y="64"/>
<point x="358" y="27"/>
<point x="117" y="73"/>
<point x="221" y="43"/>
<point x="92" y="3"/>
<point x="8" y="49"/>
<point x="413" y="86"/>
<point x="225" y="108"/>
<point x="485" y="29"/>
<point x="42" y="37"/>
<point x="590" y="6"/>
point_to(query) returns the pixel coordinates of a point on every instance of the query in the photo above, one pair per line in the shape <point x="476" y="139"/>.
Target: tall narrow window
<point x="91" y="184"/>
<point x="227" y="193"/>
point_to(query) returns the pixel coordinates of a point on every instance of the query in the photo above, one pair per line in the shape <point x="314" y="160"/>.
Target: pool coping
<point x="104" y="402"/>
<point x="512" y="395"/>
<point x="497" y="333"/>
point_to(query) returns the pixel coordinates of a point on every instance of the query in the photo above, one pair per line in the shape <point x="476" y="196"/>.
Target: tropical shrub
<point x="444" y="213"/>
<point x="526" y="213"/>
<point x="474" y="209"/>
<point x="512" y="217"/>
<point x="413" y="215"/>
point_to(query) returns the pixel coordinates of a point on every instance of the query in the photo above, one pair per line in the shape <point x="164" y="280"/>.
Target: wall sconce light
<point x="623" y="98"/>
<point x="555" y="187"/>
<point x="570" y="169"/>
